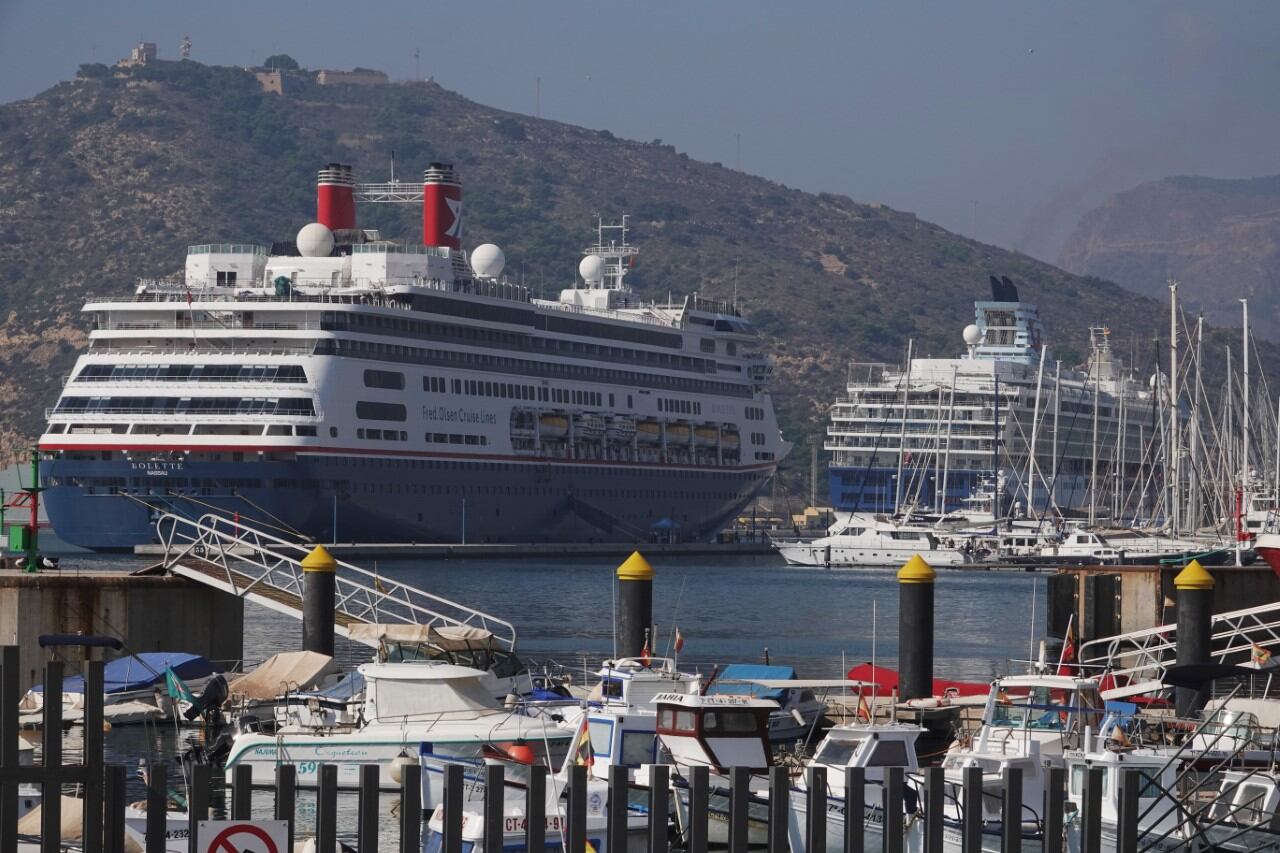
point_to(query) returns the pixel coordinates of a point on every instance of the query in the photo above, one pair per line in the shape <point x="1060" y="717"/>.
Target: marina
<point x="343" y="529"/>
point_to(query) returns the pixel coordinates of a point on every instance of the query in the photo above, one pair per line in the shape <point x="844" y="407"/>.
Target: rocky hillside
<point x="109" y="177"/>
<point x="1220" y="239"/>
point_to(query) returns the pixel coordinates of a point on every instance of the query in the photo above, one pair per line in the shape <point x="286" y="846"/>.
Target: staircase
<point x="241" y="560"/>
<point x="1138" y="659"/>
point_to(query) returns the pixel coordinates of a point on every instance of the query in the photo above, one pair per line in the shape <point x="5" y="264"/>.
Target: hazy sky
<point x="1004" y="121"/>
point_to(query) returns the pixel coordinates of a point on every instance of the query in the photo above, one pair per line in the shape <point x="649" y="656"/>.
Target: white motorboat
<point x="872" y="747"/>
<point x="408" y="709"/>
<point x="860" y="540"/>
<point x="799" y="711"/>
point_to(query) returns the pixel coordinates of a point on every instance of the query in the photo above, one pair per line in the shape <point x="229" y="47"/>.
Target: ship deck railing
<point x="148" y="414"/>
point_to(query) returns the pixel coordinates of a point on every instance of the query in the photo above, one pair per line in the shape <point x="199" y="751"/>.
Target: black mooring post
<point x="1195" y="631"/>
<point x="367" y="809"/>
<point x="198" y="802"/>
<point x="286" y="805"/>
<point x="411" y="808"/>
<point x="779" y="809"/>
<point x="51" y="792"/>
<point x="535" y="833"/>
<point x="915" y="630"/>
<point x="157" y="806"/>
<point x="635" y="606"/>
<point x="10" y="695"/>
<point x="93" y="755"/>
<point x="319" y="585"/>
<point x="1011" y="825"/>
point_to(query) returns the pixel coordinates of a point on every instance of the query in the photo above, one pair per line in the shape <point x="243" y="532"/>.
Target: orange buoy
<point x="521" y="753"/>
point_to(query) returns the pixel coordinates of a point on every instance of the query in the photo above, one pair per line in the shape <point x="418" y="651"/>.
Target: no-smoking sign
<point x="243" y="836"/>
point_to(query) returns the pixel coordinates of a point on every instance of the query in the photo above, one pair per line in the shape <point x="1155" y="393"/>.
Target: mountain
<point x="1219" y="238"/>
<point x="109" y="177"/>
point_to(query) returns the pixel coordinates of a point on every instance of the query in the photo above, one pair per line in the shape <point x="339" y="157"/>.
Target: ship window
<point x="707" y="345"/>
<point x="384" y="379"/>
<point x="226" y="278"/>
<point x="279" y="429"/>
<point x="637" y="748"/>
<point x="333" y="432"/>
<point x="304" y="430"/>
<point x="371" y="411"/>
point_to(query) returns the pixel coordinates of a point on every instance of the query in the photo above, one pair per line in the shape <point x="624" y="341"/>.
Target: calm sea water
<point x="820" y="621"/>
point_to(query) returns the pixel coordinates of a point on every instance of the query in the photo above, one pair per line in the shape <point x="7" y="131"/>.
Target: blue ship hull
<point x="875" y="489"/>
<point x="112" y="505"/>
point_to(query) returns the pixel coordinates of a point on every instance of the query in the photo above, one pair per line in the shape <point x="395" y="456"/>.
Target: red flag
<point x="679" y="643"/>
<point x="1067" y="659"/>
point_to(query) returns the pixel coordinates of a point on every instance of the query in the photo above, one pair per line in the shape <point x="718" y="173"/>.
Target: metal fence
<point x="733" y="797"/>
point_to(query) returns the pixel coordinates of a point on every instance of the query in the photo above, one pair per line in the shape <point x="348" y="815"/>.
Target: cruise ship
<point x="345" y="387"/>
<point x="933" y="437"/>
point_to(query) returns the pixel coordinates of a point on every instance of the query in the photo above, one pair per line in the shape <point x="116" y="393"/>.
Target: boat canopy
<point x="449" y="638"/>
<point x="282" y="673"/>
<point x="744" y="679"/>
<point x="137" y="672"/>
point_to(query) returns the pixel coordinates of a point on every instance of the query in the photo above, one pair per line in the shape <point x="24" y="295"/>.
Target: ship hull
<point x="112" y="505"/>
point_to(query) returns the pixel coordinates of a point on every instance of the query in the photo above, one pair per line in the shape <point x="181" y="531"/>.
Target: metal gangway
<point x="1137" y="661"/>
<point x="239" y="559"/>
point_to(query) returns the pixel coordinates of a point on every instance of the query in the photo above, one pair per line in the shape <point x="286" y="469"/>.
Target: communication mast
<point x="186" y="47"/>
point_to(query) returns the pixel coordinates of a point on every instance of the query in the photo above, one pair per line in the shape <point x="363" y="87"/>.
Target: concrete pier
<point x="1110" y="600"/>
<point x="148" y="613"/>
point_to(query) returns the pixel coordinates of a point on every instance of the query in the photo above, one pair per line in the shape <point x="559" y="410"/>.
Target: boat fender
<point x="396" y="771"/>
<point x="521" y="752"/>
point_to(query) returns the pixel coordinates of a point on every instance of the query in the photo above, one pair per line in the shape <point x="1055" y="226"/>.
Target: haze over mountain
<point x="1220" y="239"/>
<point x="111" y="176"/>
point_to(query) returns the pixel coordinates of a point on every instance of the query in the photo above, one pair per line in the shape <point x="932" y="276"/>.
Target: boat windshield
<point x="837" y="753"/>
<point x="1037" y="710"/>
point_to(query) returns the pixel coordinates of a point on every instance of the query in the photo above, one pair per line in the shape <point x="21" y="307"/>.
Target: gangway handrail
<point x="269" y="561"/>
<point x="1148" y="652"/>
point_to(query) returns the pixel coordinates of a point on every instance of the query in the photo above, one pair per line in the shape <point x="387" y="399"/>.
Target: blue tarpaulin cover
<point x="135" y="672"/>
<point x="738" y="672"/>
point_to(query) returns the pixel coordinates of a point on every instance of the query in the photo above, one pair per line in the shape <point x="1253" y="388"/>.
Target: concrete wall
<point x="147" y="613"/>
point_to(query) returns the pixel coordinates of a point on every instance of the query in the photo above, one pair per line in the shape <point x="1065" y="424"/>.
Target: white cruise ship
<point x="343" y="386"/>
<point x="927" y="437"/>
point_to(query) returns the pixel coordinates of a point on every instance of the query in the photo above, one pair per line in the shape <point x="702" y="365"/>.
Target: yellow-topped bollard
<point x="1195" y="631"/>
<point x="1194" y="576"/>
<point x="915" y="629"/>
<point x="319" y="560"/>
<point x="916" y="570"/>
<point x="635" y="568"/>
<point x="319" y="591"/>
<point x="635" y="606"/>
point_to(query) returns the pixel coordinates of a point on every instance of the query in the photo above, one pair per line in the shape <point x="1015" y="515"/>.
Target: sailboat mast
<point x="1172" y="460"/>
<point x="1094" y="367"/>
<point x="902" y="434"/>
<point x="951" y="413"/>
<point x="1035" y="423"/>
<point x="1244" y="437"/>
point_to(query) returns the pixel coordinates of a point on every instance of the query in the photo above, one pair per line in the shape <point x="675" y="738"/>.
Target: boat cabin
<point x="873" y="747"/>
<point x="715" y="731"/>
<point x="460" y="645"/>
<point x="1050" y="709"/>
<point x="634" y="682"/>
<point x="1158" y="807"/>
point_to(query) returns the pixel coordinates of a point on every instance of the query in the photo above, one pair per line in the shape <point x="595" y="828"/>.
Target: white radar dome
<point x="591" y="268"/>
<point x="487" y="260"/>
<point x="315" y="241"/>
<point x="972" y="335"/>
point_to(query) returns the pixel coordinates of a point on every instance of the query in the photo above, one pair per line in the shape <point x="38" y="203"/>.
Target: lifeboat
<point x="706" y="435"/>
<point x="588" y="425"/>
<point x="553" y="426"/>
<point x="648" y="432"/>
<point x="621" y="430"/>
<point x="678" y="433"/>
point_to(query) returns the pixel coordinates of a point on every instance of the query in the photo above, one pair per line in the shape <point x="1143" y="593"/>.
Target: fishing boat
<point x="799" y="712"/>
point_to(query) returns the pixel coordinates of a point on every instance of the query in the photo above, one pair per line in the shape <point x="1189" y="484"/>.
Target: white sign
<point x="243" y="836"/>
